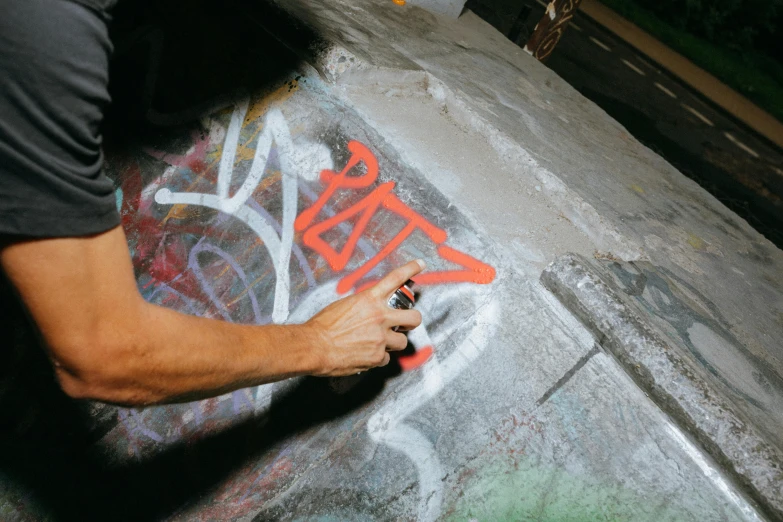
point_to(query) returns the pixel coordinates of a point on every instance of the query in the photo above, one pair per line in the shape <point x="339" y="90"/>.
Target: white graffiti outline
<point x="387" y="425"/>
<point x="305" y="160"/>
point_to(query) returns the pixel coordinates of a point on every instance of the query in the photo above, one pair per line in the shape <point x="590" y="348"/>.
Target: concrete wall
<point x="488" y="166"/>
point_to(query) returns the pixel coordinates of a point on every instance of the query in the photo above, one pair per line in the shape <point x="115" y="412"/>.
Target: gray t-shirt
<point x="54" y="75"/>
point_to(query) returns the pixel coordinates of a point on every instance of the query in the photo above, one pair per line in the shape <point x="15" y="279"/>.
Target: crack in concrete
<point x="567" y="376"/>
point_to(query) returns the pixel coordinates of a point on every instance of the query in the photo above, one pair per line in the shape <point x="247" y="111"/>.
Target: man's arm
<point x="108" y="344"/>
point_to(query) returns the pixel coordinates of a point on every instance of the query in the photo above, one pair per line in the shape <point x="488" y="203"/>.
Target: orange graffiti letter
<point x="367" y="207"/>
<point x="359" y="153"/>
<point x="415" y="220"/>
<point x="475" y="271"/>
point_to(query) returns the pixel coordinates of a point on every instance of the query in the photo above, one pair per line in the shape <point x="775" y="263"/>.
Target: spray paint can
<point x="403" y="298"/>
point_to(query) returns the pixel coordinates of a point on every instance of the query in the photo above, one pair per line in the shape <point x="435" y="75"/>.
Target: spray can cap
<point x="403" y="298"/>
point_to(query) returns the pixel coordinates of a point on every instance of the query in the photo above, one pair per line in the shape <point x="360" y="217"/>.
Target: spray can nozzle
<point x="403" y="298"/>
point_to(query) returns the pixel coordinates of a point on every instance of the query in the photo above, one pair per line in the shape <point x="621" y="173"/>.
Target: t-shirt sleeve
<point x="54" y="74"/>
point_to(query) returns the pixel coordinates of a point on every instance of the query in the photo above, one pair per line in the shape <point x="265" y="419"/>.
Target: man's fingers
<point x="404" y="319"/>
<point x="397" y="277"/>
<point x="396" y="341"/>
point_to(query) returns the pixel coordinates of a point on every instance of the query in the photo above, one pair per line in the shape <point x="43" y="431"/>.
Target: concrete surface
<point x="505" y="406"/>
<point x="448" y="8"/>
<point x="694" y="373"/>
<point x="618" y="193"/>
<point x="515" y="414"/>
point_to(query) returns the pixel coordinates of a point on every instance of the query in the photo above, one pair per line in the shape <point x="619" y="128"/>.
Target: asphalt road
<point x="739" y="167"/>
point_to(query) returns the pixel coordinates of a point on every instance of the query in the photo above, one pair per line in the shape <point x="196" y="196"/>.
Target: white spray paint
<point x="387" y="425"/>
<point x="305" y="160"/>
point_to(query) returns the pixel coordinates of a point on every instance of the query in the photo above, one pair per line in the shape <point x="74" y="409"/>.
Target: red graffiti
<point x="415" y="221"/>
<point x="414" y="360"/>
<point x="367" y="207"/>
<point x="473" y="270"/>
<point x="359" y="154"/>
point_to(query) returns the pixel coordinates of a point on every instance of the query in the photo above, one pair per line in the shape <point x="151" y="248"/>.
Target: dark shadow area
<point x="48" y="441"/>
<point x="510" y="17"/>
<point x="175" y="61"/>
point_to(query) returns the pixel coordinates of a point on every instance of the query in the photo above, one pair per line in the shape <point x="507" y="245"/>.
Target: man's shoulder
<point x="53" y="93"/>
<point x="101" y="6"/>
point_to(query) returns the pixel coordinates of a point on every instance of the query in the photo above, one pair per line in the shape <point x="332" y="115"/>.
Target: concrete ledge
<point x="679" y="389"/>
<point x="466" y="67"/>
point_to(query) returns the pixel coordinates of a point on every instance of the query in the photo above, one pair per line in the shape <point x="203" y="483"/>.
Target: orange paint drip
<point x="415" y="360"/>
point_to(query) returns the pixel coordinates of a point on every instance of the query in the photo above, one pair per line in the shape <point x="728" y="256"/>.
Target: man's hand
<point x="108" y="344"/>
<point x="356" y="331"/>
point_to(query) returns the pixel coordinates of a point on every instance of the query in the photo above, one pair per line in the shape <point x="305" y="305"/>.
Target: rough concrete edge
<point x="668" y="379"/>
<point x="339" y="66"/>
<point x="583" y="215"/>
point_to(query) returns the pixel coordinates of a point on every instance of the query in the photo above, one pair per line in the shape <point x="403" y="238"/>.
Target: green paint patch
<point x="696" y="242"/>
<point x="533" y="493"/>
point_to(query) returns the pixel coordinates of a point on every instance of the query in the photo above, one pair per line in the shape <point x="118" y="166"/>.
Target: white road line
<point x="634" y="68"/>
<point x="647" y="64"/>
<point x="664" y="89"/>
<point x="572" y="24"/>
<point x="600" y="44"/>
<point x="741" y="145"/>
<point x="697" y="114"/>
